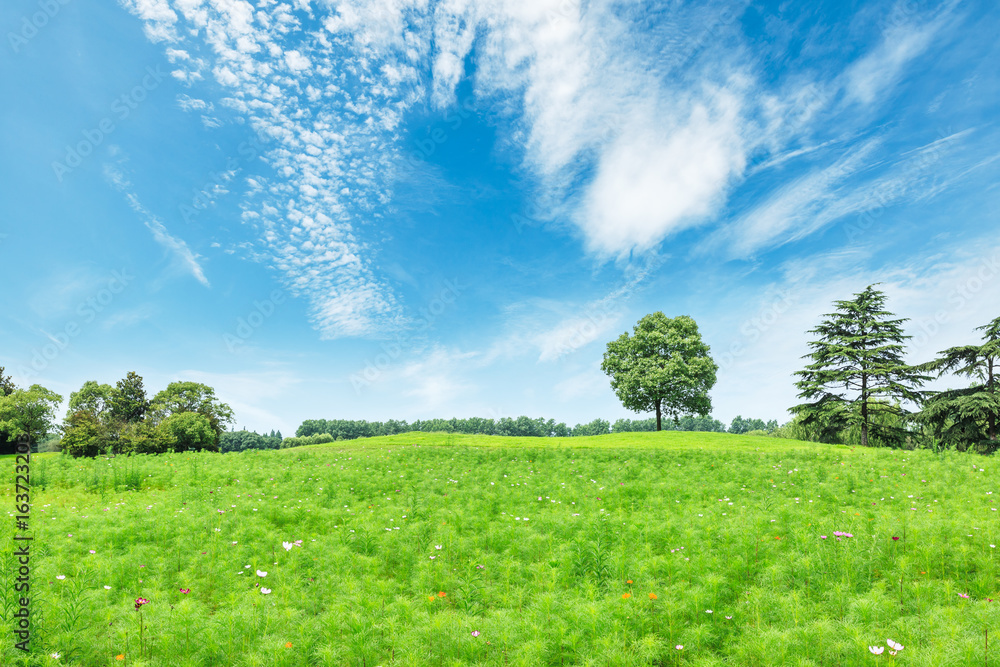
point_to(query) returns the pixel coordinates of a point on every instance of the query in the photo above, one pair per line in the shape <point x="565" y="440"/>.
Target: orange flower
<point x="777" y="537"/>
<point x="441" y="594"/>
<point x="288" y="644"/>
<point x="120" y="656"/>
<point x="652" y="596"/>
<point x="626" y="596"/>
<point x="629" y="581"/>
<point x="431" y="598"/>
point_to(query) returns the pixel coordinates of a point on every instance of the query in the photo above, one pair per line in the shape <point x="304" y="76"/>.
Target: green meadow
<point x="671" y="548"/>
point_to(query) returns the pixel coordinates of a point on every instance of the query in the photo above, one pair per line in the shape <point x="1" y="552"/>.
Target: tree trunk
<point x="864" y="410"/>
<point x="993" y="417"/>
<point x="657" y="414"/>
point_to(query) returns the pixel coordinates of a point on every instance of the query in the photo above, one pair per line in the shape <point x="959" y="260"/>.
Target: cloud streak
<point x="182" y="254"/>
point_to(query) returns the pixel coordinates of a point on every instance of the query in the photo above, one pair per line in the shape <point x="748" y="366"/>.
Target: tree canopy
<point x="6" y="384"/>
<point x="967" y="416"/>
<point x="29" y="412"/>
<point x="663" y="367"/>
<point x="180" y="397"/>
<point x="128" y="402"/>
<point x="94" y="398"/>
<point x="186" y="431"/>
<point x="857" y="371"/>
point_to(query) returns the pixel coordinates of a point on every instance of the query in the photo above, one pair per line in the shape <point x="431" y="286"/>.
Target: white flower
<point x="107" y="588"/>
<point x="60" y="576"/>
<point x="55" y="656"/>
<point x="877" y="650"/>
<point x="893" y="645"/>
<point x="438" y="547"/>
<point x="288" y="545"/>
<point x="265" y="591"/>
<point x="261" y="573"/>
<point x="708" y="611"/>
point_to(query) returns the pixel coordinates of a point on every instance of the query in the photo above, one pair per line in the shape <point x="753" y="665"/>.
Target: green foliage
<point x="967" y="417"/>
<point x="6" y="384"/>
<point x="128" y="402"/>
<point x="299" y="441"/>
<point x="145" y="438"/>
<point x="596" y="427"/>
<point x="94" y="398"/>
<point x="857" y="373"/>
<point x="188" y="431"/>
<point x="741" y="425"/>
<point x="84" y="435"/>
<point x="180" y="397"/>
<point x="29" y="412"/>
<point x="664" y="367"/>
<point x="238" y="441"/>
<point x="685" y="423"/>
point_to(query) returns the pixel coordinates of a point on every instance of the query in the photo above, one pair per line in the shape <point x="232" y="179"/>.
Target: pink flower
<point x="185" y="591"/>
<point x="475" y="633"/>
<point x="963" y="595"/>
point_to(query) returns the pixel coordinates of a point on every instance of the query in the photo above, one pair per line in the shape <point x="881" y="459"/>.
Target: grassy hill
<point x="438" y="549"/>
<point x="673" y="440"/>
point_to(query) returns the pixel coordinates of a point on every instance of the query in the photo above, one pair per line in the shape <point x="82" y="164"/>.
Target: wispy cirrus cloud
<point x="328" y="94"/>
<point x="188" y="260"/>
<point x="905" y="38"/>
<point x="636" y="130"/>
<point x="842" y="190"/>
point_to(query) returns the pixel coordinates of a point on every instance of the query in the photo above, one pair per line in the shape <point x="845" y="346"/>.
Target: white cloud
<point x="296" y="61"/>
<point x="187" y="103"/>
<point x="653" y="180"/>
<point x="844" y="190"/>
<point x="436" y="379"/>
<point x="331" y="150"/>
<point x="182" y="254"/>
<point x="157" y="16"/>
<point x="868" y="79"/>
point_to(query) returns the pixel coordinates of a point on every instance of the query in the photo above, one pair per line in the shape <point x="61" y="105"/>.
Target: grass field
<point x="436" y="549"/>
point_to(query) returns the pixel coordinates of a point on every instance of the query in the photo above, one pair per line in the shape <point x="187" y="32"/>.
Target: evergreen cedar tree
<point x="663" y="366"/>
<point x="858" y="373"/>
<point x="969" y="416"/>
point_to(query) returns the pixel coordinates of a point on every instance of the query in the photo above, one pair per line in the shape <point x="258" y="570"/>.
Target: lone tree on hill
<point x="664" y="367"/>
<point x="968" y="416"/>
<point x="859" y="352"/>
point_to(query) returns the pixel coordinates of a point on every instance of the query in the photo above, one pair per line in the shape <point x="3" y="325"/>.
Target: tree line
<point x="315" y="431"/>
<point x="113" y="420"/>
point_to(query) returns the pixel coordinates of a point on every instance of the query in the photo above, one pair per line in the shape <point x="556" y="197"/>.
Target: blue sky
<point x="403" y="209"/>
